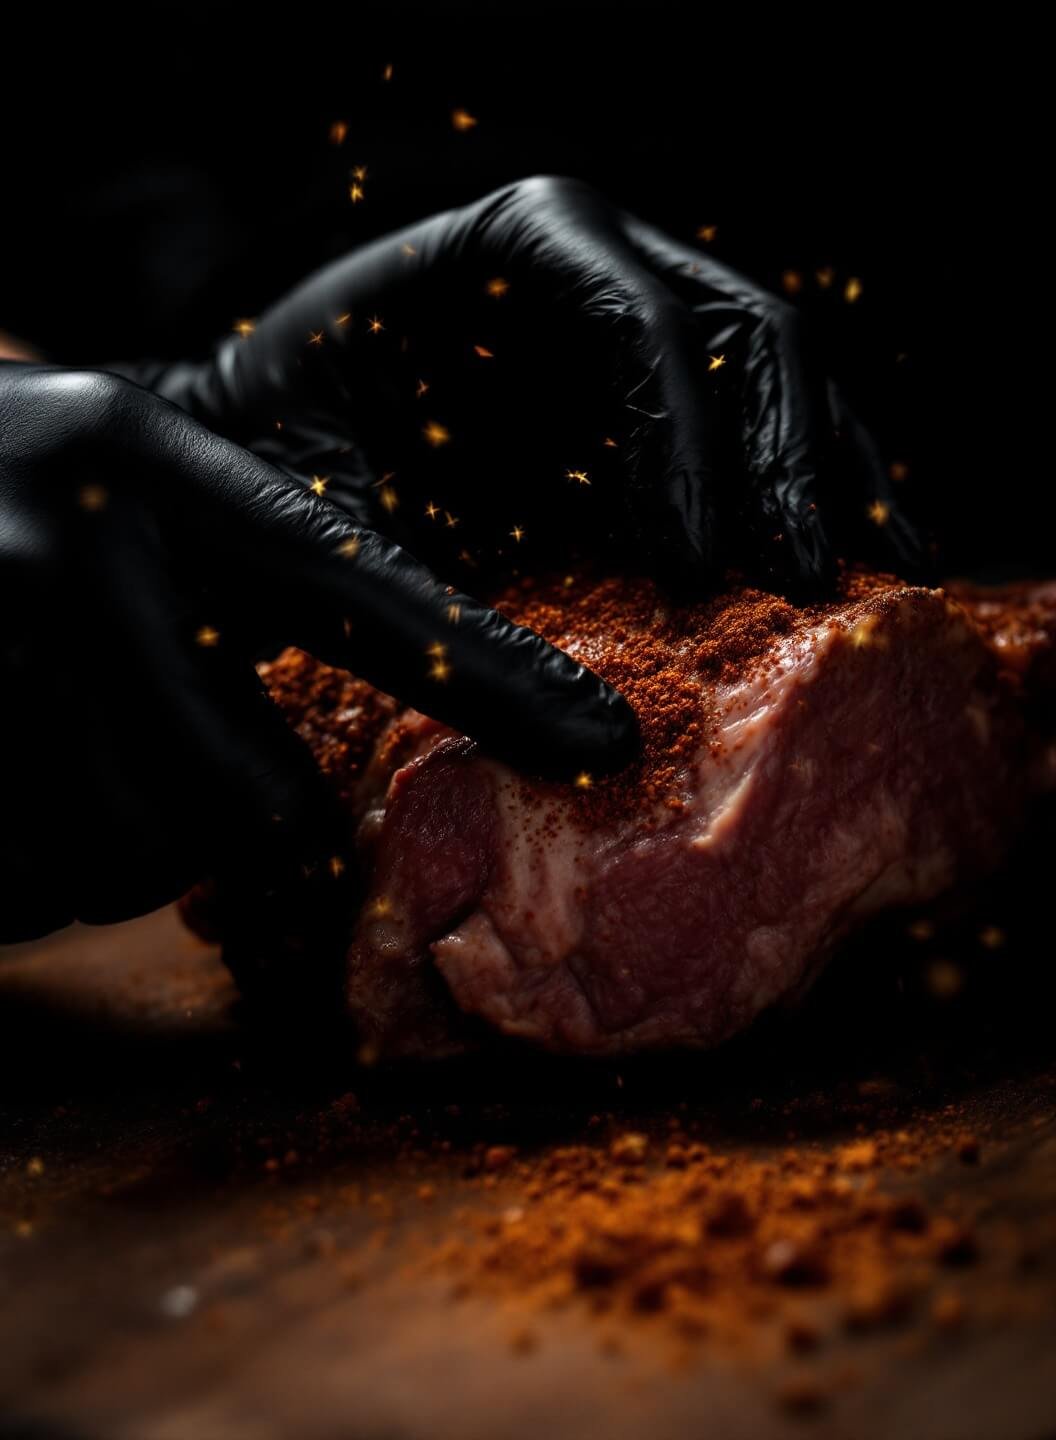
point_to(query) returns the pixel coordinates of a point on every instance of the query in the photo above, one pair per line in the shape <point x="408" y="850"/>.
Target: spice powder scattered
<point x="717" y="1248"/>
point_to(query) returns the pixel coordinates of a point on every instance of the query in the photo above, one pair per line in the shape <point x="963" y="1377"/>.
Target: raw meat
<point x="803" y="769"/>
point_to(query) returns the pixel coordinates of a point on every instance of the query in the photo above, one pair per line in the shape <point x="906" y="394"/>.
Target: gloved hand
<point x="727" y="446"/>
<point x="143" y="562"/>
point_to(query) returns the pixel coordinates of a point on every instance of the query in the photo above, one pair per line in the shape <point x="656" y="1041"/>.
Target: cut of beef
<point x="802" y="770"/>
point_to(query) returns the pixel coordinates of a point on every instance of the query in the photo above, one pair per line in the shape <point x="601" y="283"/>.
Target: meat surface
<point x="803" y="769"/>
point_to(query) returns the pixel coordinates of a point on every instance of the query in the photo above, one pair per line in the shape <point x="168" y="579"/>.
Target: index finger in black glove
<point x="443" y="652"/>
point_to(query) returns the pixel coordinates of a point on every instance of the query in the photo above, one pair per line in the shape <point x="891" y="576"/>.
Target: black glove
<point x="143" y="562"/>
<point x="725" y="445"/>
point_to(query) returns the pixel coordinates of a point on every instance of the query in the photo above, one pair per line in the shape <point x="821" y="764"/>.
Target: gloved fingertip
<point x="595" y="734"/>
<point x="620" y="737"/>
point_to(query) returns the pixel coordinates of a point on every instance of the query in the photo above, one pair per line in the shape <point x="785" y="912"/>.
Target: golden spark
<point x="207" y="637"/>
<point x="421" y="389"/>
<point x="899" y="471"/>
<point x="484" y="352"/>
<point x="517" y="533"/>
<point x="408" y="249"/>
<point x="359" y="172"/>
<point x="244" y="327"/>
<point x="879" y="512"/>
<point x="437" y="650"/>
<point x="432" y="510"/>
<point x="467" y="558"/>
<point x="707" y="233"/>
<point x="454" y="613"/>
<point x="568" y="581"/>
<point x="386" y="74"/>
<point x="852" y="290"/>
<point x="92" y="497"/>
<point x="367" y="1055"/>
<point x="346" y="626"/>
<point x="497" y="287"/>
<point x="388" y="497"/>
<point x="579" y="476"/>
<point x="944" y="979"/>
<point x="462" y="120"/>
<point x="336" y="866"/>
<point x="381" y="907"/>
<point x="716" y="362"/>
<point x="922" y="930"/>
<point x="35" y="1166"/>
<point x="825" y="276"/>
<point x="583" y="780"/>
<point x="992" y="937"/>
<point x="355" y="192"/>
<point x="862" y="634"/>
<point x="440" y="670"/>
<point x="315" y="337"/>
<point x="450" y="521"/>
<point x="344" y="319"/>
<point x="349" y="548"/>
<point x="319" y="484"/>
<point x="610" y="443"/>
<point x="338" y="132"/>
<point x="436" y="434"/>
<point x="792" y="282"/>
<point x="374" y="325"/>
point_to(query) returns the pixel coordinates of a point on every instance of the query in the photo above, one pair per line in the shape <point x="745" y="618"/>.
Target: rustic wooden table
<point x="205" y="1228"/>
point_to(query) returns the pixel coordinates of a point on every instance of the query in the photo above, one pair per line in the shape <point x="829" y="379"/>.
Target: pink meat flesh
<point x="880" y="760"/>
<point x="880" y="751"/>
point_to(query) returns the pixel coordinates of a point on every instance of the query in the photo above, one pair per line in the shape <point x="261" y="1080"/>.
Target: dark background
<point x="170" y="171"/>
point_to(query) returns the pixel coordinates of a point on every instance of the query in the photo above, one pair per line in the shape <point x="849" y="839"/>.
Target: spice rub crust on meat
<point x="801" y="769"/>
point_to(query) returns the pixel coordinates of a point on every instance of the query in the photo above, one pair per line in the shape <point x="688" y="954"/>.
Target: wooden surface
<point x="207" y="1228"/>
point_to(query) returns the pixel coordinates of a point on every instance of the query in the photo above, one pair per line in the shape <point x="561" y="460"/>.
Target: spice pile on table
<point x="752" y="1254"/>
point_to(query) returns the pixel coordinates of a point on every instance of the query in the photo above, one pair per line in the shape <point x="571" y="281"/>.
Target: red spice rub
<point x="720" y="1248"/>
<point x="670" y="661"/>
<point x="339" y="717"/>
